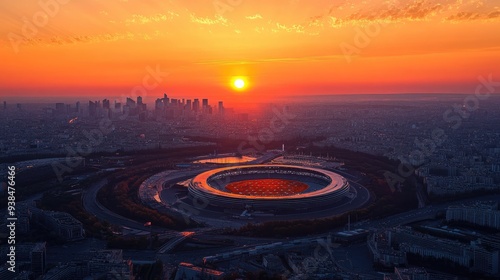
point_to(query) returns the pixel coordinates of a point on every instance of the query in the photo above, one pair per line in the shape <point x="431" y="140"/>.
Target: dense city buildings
<point x="462" y="234"/>
<point x="473" y="256"/>
<point x="481" y="214"/>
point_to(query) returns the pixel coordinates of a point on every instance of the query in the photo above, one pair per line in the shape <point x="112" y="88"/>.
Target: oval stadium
<point x="269" y="187"/>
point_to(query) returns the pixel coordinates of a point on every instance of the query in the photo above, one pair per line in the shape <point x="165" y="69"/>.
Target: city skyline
<point x="278" y="49"/>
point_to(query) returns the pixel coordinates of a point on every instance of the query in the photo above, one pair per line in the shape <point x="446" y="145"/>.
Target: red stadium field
<point x="267" y="187"/>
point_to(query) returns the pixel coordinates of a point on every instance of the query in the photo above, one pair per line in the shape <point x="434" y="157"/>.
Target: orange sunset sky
<point x="288" y="47"/>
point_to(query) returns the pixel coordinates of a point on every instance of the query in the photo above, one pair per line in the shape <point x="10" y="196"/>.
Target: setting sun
<point x="239" y="83"/>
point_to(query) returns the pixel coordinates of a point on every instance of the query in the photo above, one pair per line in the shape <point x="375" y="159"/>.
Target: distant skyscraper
<point x="117" y="110"/>
<point x="221" y="107"/>
<point x="196" y="105"/>
<point x="159" y="103"/>
<point x="139" y="100"/>
<point x="105" y="104"/>
<point x="188" y="104"/>
<point x="38" y="257"/>
<point x="77" y="109"/>
<point x="92" y="109"/>
<point x="130" y="102"/>
<point x="205" y="103"/>
<point x="107" y="108"/>
<point x="5" y="105"/>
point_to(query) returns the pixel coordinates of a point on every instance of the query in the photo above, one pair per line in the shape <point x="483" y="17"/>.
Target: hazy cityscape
<point x="454" y="219"/>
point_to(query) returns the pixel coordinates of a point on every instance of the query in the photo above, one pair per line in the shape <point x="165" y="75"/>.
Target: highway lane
<point x="421" y="213"/>
<point x="92" y="206"/>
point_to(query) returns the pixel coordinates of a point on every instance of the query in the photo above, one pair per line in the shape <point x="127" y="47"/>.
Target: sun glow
<point x="239" y="83"/>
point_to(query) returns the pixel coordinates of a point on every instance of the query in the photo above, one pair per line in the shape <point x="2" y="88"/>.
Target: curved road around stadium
<point x="92" y="206"/>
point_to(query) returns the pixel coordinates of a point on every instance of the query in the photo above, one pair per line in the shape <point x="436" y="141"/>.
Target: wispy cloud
<point x="218" y="19"/>
<point x="90" y="39"/>
<point x="396" y="11"/>
<point x="473" y="16"/>
<point x="296" y="20"/>
<point x="256" y="16"/>
<point x="144" y="19"/>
